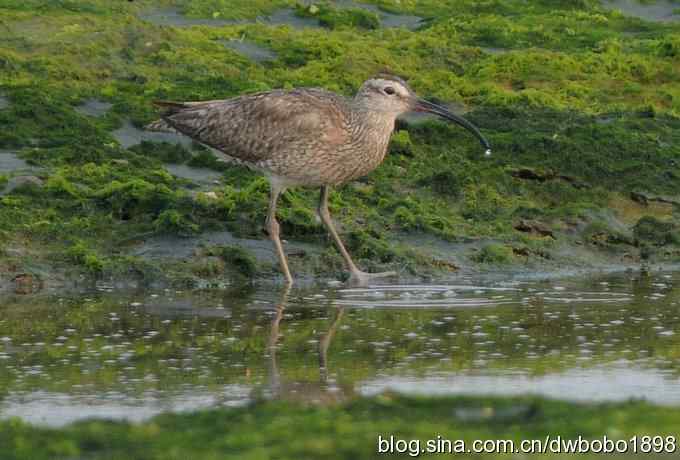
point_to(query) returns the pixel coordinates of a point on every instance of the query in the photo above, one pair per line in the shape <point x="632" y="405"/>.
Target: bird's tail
<point x="161" y="126"/>
<point x="171" y="108"/>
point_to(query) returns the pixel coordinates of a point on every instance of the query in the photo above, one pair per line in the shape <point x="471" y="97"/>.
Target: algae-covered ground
<point x="284" y="431"/>
<point x="580" y="101"/>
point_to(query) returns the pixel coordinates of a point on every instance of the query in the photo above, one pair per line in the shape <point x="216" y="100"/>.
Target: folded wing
<point x="263" y="127"/>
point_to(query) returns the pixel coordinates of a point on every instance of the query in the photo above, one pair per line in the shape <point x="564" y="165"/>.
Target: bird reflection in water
<point x="324" y="391"/>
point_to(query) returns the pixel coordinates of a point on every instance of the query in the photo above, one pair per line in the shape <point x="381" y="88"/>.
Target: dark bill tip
<point x="425" y="106"/>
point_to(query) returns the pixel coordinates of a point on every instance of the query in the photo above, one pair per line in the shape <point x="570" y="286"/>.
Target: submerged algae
<point x="657" y="10"/>
<point x="387" y="19"/>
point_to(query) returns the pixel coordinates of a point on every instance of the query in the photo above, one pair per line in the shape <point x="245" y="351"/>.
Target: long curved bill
<point x="425" y="106"/>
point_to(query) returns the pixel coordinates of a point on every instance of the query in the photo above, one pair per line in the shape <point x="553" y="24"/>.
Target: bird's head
<point x="393" y="96"/>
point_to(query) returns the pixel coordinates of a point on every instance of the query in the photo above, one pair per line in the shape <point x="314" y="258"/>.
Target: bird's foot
<point x="359" y="278"/>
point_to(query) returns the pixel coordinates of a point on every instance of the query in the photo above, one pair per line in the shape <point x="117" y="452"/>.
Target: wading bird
<point x="305" y="137"/>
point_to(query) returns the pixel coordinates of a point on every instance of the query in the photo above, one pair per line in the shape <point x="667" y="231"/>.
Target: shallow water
<point x="250" y="50"/>
<point x="94" y="108"/>
<point x="659" y="10"/>
<point x="129" y="135"/>
<point x="174" y="17"/>
<point x="203" y="178"/>
<point x="285" y="16"/>
<point x="387" y="19"/>
<point x="131" y="355"/>
<point x="491" y="50"/>
<point x="10" y="162"/>
<point x="288" y="17"/>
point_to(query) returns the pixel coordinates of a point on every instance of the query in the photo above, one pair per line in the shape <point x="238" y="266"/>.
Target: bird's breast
<point x="358" y="157"/>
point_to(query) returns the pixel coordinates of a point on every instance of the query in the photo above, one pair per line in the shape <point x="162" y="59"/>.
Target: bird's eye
<point x="389" y="90"/>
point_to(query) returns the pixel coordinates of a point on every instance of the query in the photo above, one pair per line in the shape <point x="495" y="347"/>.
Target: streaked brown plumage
<point x="304" y="137"/>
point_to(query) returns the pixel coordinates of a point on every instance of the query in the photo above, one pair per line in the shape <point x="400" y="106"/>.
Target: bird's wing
<point x="256" y="127"/>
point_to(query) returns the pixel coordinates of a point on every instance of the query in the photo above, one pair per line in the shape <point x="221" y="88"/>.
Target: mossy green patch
<point x="652" y="231"/>
<point x="494" y="253"/>
<point x="598" y="233"/>
<point x="585" y="97"/>
<point x="163" y="151"/>
<point x="238" y="259"/>
<point x="3" y="181"/>
<point x="233" y="9"/>
<point x="333" y="18"/>
<point x="171" y="221"/>
<point x="287" y="431"/>
<point x="85" y="257"/>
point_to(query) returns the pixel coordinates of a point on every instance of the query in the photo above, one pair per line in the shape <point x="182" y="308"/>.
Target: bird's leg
<point x="273" y="229"/>
<point x="324" y="343"/>
<point x="274" y="334"/>
<point x="356" y="275"/>
<point x="325" y="216"/>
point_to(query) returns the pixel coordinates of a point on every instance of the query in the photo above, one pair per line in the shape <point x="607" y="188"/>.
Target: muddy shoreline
<point x="55" y="280"/>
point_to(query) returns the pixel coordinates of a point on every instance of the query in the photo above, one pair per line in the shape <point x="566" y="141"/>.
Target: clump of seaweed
<point x="652" y="231"/>
<point x="334" y="18"/>
<point x="237" y="259"/>
<point x="495" y="254"/>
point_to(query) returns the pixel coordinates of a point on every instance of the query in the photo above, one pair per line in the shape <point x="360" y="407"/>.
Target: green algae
<point x="81" y="255"/>
<point x="495" y="254"/>
<point x="591" y="107"/>
<point x="651" y="230"/>
<point x="288" y="431"/>
<point x="601" y="235"/>
<point x="171" y="221"/>
<point x="237" y="258"/>
<point x="230" y="9"/>
<point x="163" y="151"/>
<point x="334" y="18"/>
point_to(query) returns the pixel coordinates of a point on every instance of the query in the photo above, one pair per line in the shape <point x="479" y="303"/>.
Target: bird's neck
<point x="378" y="123"/>
<point x="371" y="130"/>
